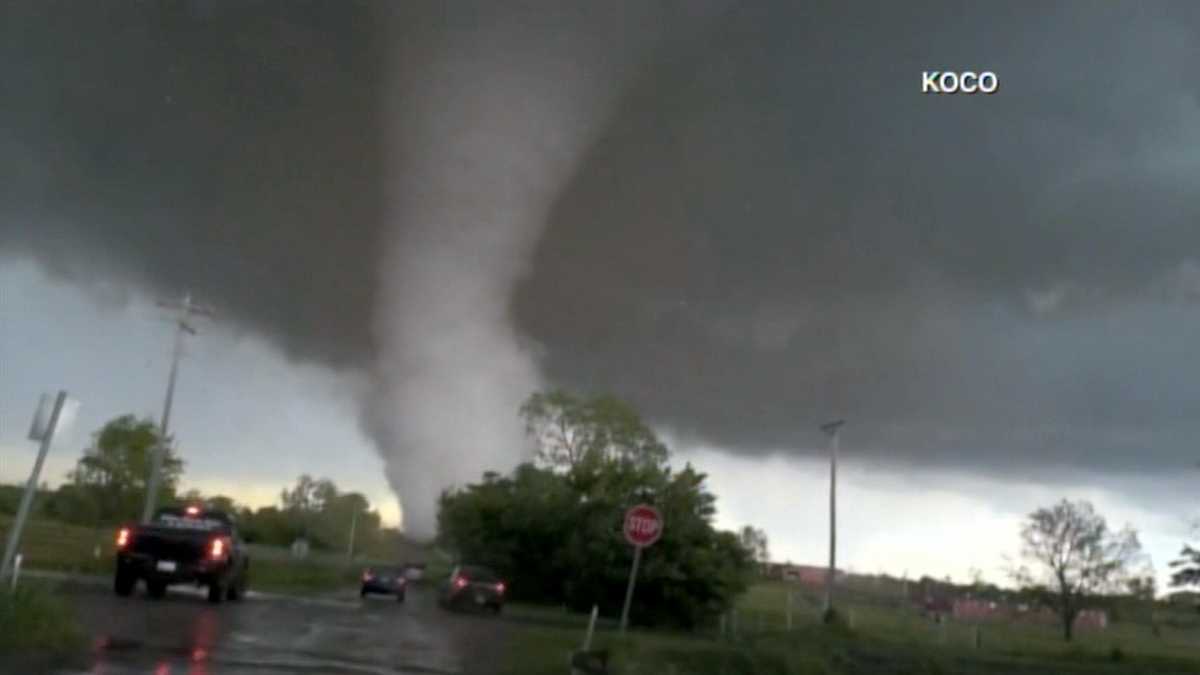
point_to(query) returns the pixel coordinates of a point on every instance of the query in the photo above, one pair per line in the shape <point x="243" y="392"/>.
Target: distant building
<point x="1091" y="619"/>
<point x="984" y="610"/>
<point x="978" y="610"/>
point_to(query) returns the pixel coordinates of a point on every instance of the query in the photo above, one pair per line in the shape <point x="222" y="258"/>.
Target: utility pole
<point x="832" y="429"/>
<point x="353" y="528"/>
<point x="186" y="309"/>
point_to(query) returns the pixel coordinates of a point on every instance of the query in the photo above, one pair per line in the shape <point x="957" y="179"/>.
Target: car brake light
<point x="123" y="537"/>
<point x="460" y="582"/>
<point x="500" y="587"/>
<point x="367" y="575"/>
<point x="192" y="510"/>
<point x="217" y="549"/>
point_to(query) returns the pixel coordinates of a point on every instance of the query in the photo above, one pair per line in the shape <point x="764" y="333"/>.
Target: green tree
<point x="555" y="530"/>
<point x="269" y="525"/>
<point x="755" y="541"/>
<point x="1075" y="555"/>
<point x="1187" y="568"/>
<point x="304" y="503"/>
<point x="110" y="479"/>
<point x="569" y="430"/>
<point x="341" y="513"/>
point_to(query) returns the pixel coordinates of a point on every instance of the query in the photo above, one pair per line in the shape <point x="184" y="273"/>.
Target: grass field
<point x="881" y="635"/>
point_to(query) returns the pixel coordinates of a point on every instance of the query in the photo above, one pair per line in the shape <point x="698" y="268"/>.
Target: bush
<point x="10" y="499"/>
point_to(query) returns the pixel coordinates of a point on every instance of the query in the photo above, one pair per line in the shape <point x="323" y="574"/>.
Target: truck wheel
<point x="156" y="589"/>
<point x="123" y="584"/>
<point x="216" y="592"/>
<point x="400" y="596"/>
<point x="237" y="590"/>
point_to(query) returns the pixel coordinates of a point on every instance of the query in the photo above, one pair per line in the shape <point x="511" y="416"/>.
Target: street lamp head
<point x="831" y="427"/>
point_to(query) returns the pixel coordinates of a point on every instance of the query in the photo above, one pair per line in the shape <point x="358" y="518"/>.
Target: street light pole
<point x="186" y="310"/>
<point x="832" y="429"/>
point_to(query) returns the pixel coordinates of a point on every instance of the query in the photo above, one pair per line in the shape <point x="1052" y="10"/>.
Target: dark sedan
<point x="384" y="581"/>
<point x="473" y="586"/>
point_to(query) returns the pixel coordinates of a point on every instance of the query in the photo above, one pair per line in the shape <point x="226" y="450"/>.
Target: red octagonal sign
<point x="643" y="525"/>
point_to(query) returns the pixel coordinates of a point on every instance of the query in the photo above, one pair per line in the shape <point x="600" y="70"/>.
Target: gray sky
<point x="745" y="219"/>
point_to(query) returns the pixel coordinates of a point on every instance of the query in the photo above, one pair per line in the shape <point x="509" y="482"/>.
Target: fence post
<point x="722" y="628"/>
<point x="789" y="611"/>
<point x="978" y="636"/>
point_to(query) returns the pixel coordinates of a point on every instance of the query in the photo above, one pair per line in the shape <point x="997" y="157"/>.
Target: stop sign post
<point x="643" y="527"/>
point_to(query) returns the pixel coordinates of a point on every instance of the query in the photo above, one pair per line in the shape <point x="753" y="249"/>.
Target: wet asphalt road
<point x="183" y="634"/>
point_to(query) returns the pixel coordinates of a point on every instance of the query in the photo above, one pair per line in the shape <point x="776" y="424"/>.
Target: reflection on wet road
<point x="184" y="635"/>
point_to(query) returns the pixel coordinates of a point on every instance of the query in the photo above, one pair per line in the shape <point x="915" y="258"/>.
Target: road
<point x="183" y="634"/>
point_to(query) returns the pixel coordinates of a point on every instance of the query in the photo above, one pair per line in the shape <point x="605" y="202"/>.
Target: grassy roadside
<point x="300" y="577"/>
<point x="815" y="650"/>
<point x="37" y="625"/>
<point x="886" y="637"/>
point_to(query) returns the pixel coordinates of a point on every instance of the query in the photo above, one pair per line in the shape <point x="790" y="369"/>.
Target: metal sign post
<point x="643" y="527"/>
<point x="46" y="436"/>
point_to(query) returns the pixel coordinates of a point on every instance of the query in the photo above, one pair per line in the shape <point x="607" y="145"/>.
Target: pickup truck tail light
<point x="461" y="582"/>
<point x="500" y="587"/>
<point x="368" y="575"/>
<point x="218" y="548"/>
<point x="123" y="537"/>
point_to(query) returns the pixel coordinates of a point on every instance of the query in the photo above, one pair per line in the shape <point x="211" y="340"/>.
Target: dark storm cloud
<point x="782" y="228"/>
<point x="227" y="148"/>
<point x="776" y="226"/>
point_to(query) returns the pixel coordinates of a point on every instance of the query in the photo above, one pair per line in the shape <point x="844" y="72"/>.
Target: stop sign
<point x="643" y="525"/>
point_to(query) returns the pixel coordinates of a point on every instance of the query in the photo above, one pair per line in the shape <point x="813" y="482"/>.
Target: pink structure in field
<point x="982" y="610"/>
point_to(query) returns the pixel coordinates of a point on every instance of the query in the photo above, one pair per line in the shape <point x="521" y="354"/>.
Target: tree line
<point x="108" y="486"/>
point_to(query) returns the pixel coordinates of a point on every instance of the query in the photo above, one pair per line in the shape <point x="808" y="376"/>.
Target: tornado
<point x="492" y="112"/>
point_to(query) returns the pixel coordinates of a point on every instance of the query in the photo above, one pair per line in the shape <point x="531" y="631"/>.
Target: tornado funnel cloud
<point x="490" y="121"/>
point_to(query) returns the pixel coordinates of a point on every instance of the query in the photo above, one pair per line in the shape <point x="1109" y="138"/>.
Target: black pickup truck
<point x="183" y="545"/>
